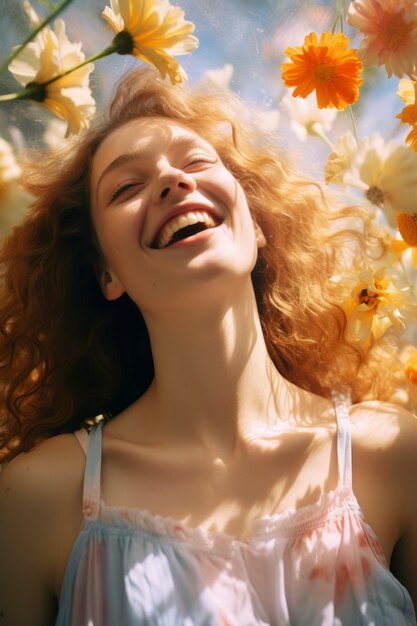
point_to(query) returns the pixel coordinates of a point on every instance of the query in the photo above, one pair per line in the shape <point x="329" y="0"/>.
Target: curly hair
<point x="67" y="354"/>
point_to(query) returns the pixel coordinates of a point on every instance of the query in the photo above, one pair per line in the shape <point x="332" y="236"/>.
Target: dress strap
<point x="82" y="438"/>
<point x="342" y="403"/>
<point x="92" y="488"/>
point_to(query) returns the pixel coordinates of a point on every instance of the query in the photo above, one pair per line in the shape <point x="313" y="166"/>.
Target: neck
<point x="215" y="384"/>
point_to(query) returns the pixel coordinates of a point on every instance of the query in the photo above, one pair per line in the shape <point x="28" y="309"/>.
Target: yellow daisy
<point x="148" y="29"/>
<point x="327" y="66"/>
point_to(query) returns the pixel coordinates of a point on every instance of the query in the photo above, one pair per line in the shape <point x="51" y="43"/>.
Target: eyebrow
<point x="122" y="159"/>
<point x="126" y="159"/>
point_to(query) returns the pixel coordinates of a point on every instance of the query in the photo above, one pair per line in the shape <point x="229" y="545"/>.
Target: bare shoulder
<point x="40" y="486"/>
<point x="384" y="426"/>
<point x="40" y="482"/>
<point x="385" y="443"/>
<point x="385" y="436"/>
<point x="40" y="514"/>
<point x="42" y="468"/>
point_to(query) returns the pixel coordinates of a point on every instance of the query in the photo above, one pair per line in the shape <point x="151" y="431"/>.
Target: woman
<point x="173" y="276"/>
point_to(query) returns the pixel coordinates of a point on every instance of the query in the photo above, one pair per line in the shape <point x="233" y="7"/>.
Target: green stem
<point x="27" y="93"/>
<point x="342" y="22"/>
<point x="334" y="25"/>
<point x="33" y="34"/>
<point x="322" y="135"/>
<point x="340" y="17"/>
<point x="100" y="55"/>
<point x="22" y="95"/>
<point x="353" y="122"/>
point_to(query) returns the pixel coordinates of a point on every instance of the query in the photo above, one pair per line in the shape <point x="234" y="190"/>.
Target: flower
<point x="407" y="90"/>
<point x="340" y="159"/>
<point x="54" y="134"/>
<point x="387" y="249"/>
<point x="306" y="117"/>
<point x="385" y="172"/>
<point x="411" y="371"/>
<point x="374" y="305"/>
<point x="46" y="57"/>
<point x="390" y="33"/>
<point x="407" y="226"/>
<point x="147" y="29"/>
<point x="328" y="66"/>
<point x="14" y="200"/>
<point x="394" y="249"/>
<point x="411" y="367"/>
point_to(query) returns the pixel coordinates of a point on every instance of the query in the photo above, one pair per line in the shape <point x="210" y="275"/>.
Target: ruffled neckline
<point x="288" y="523"/>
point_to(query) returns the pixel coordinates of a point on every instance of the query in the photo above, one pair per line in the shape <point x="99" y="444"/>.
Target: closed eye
<point x="200" y="161"/>
<point x="122" y="188"/>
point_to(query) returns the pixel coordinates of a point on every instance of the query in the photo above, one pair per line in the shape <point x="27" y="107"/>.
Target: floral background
<point x="362" y="142"/>
<point x="250" y="35"/>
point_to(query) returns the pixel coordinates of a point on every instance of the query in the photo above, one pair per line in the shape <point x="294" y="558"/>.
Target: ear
<point x="110" y="285"/>
<point x="260" y="237"/>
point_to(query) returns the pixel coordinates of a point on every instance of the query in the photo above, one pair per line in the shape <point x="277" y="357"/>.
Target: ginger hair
<point x="67" y="354"/>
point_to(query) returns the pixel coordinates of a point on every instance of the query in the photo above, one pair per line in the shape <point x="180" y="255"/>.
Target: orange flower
<point x="328" y="66"/>
<point x="407" y="226"/>
<point x="409" y="360"/>
<point x="411" y="372"/>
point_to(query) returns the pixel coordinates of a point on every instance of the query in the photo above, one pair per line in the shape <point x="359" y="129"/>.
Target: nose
<point x="172" y="181"/>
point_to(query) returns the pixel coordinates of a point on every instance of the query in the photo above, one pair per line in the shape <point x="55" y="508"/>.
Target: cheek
<point x="231" y="187"/>
<point x="231" y="194"/>
<point x="237" y="198"/>
<point x="117" y="231"/>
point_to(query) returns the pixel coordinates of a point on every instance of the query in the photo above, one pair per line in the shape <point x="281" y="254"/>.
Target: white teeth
<point x="186" y="219"/>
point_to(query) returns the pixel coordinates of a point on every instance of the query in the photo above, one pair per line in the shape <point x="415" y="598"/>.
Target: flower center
<point x="36" y="91"/>
<point x="393" y="30"/>
<point x="375" y="195"/>
<point x="407" y="225"/>
<point x="124" y="42"/>
<point x="324" y="72"/>
<point x="368" y="297"/>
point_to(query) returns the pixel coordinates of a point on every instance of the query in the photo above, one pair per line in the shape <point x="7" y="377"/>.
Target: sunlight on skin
<point x="236" y="503"/>
<point x="376" y="438"/>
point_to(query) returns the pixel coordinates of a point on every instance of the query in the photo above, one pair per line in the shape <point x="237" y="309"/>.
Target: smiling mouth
<point x="184" y="226"/>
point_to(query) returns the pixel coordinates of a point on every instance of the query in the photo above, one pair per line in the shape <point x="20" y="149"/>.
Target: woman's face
<point x="168" y="215"/>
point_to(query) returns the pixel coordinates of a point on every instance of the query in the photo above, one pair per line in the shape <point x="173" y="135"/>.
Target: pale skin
<point x="220" y="438"/>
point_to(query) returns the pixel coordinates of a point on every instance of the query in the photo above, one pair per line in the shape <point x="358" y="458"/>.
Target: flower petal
<point x="155" y="27"/>
<point x="390" y="33"/>
<point x="45" y="58"/>
<point x="327" y="66"/>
